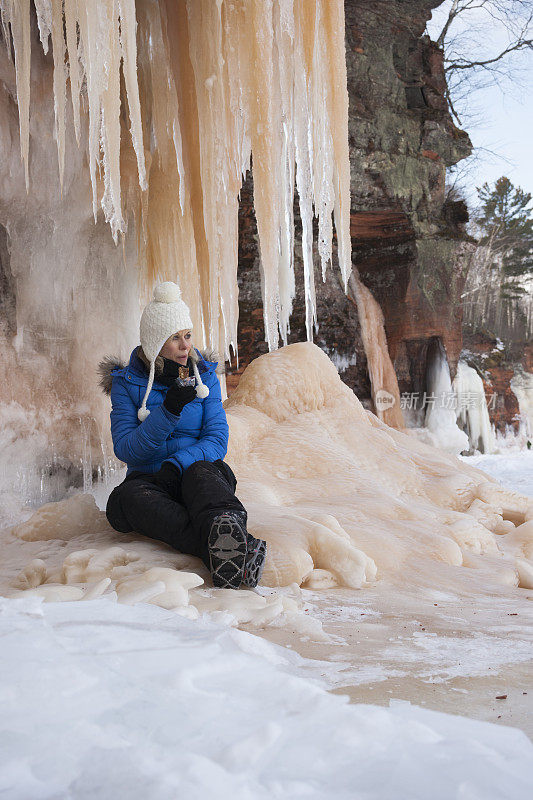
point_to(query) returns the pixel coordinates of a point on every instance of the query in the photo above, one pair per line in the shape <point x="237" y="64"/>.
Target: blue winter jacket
<point x="199" y="433"/>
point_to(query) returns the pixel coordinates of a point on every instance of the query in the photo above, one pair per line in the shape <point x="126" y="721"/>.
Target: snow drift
<point x="108" y="701"/>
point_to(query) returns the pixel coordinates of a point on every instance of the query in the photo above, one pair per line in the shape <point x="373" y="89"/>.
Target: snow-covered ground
<point x="107" y="700"/>
<point x="113" y="701"/>
<point x="513" y="470"/>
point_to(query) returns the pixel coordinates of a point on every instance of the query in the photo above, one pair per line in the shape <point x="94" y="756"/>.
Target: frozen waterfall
<point x="107" y="128"/>
<point x="456" y="415"/>
<point x="441" y="418"/>
<point x="522" y="386"/>
<point x="472" y="411"/>
<point x="268" y="77"/>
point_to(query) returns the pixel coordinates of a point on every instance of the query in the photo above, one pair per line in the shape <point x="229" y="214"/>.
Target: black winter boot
<point x="255" y="561"/>
<point x="227" y="550"/>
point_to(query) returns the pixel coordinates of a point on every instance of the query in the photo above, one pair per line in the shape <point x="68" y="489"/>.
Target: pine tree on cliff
<point x="506" y="225"/>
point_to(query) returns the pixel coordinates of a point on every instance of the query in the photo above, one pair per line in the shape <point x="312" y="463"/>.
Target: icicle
<point x="219" y="205"/>
<point x="235" y="64"/>
<point x="304" y="163"/>
<point x="16" y="14"/>
<point x="322" y="144"/>
<point x="284" y="36"/>
<point x="166" y="235"/>
<point x="337" y="102"/>
<point x="88" y="21"/>
<point x="43" y="9"/>
<point x="71" y="19"/>
<point x="58" y="49"/>
<point x="128" y="26"/>
<point x="265" y="166"/>
<point x="110" y="120"/>
<point x="440" y="418"/>
<point x="522" y="386"/>
<point x="176" y="34"/>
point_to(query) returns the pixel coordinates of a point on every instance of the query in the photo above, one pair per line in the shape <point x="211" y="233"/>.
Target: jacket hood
<point x="206" y="360"/>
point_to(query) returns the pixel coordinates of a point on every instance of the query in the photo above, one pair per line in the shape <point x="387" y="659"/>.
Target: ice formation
<point x="126" y="577"/>
<point x="342" y="499"/>
<point x="440" y="416"/>
<point x="268" y="77"/>
<point x="327" y="482"/>
<point x="522" y="386"/>
<point x="383" y="381"/>
<point x="472" y="411"/>
<point x="125" y="95"/>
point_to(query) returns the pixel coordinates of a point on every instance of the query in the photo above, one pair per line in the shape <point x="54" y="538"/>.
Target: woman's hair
<point x="159" y="363"/>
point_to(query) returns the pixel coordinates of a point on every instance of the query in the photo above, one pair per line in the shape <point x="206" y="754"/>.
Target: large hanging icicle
<point x="71" y="9"/>
<point x="15" y="16"/>
<point x="440" y="418"/>
<point x="128" y="49"/>
<point x="224" y="83"/>
<point x="260" y="89"/>
<point x="58" y="49"/>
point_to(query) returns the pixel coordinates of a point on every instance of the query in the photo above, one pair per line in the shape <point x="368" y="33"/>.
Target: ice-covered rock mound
<point x="340" y="497"/>
<point x="343" y="498"/>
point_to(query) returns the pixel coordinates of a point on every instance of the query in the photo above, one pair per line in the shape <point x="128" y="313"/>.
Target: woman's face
<point x="177" y="346"/>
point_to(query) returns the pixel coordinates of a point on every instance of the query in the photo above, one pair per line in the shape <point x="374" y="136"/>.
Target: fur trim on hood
<point x="110" y="363"/>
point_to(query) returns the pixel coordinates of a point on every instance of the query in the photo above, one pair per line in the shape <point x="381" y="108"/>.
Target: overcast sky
<point x="505" y="112"/>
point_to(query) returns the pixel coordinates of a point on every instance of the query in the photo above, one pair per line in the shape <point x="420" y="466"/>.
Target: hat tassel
<point x="143" y="412"/>
<point x="201" y="390"/>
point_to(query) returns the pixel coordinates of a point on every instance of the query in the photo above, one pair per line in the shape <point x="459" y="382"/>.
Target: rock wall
<point x="408" y="242"/>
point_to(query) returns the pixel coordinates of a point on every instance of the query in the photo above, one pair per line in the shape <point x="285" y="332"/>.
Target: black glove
<point x="168" y="477"/>
<point x="177" y="397"/>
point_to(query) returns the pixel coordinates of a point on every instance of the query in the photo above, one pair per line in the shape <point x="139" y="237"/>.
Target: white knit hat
<point x="165" y="315"/>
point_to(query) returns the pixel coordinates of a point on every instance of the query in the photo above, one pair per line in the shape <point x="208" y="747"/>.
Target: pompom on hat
<point x="165" y="315"/>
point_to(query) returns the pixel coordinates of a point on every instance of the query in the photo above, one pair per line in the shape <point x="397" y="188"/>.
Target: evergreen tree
<point x="506" y="226"/>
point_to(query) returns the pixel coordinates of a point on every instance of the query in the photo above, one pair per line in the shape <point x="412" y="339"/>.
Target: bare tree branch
<point x="470" y="28"/>
<point x="451" y="16"/>
<point x="520" y="45"/>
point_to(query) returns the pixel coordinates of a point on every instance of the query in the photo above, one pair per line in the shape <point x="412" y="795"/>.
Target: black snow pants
<point x="181" y="518"/>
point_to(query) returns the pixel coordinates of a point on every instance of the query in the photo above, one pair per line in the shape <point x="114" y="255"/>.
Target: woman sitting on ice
<point x="170" y="428"/>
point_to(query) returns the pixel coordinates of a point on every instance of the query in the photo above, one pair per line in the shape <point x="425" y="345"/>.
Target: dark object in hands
<point x="176" y="373"/>
<point x="167" y="477"/>
<point x="177" y="398"/>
